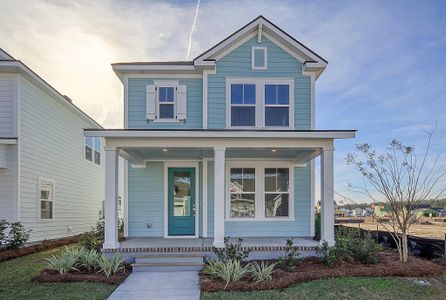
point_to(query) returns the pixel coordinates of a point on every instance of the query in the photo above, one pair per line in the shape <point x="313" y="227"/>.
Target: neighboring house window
<point x="46" y="198"/>
<point x="93" y="149"/>
<point x="243" y="191"/>
<point x="277" y="105"/>
<point x="267" y="198"/>
<point x="243" y="105"/>
<point x="259" y="58"/>
<point x="277" y="192"/>
<point x="166" y="102"/>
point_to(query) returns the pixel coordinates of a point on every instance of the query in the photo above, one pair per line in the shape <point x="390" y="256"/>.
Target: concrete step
<point x="173" y="258"/>
<point x="166" y="266"/>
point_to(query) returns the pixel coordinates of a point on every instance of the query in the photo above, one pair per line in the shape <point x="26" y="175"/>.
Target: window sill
<point x="284" y="219"/>
<point x="261" y="128"/>
<point x="166" y="121"/>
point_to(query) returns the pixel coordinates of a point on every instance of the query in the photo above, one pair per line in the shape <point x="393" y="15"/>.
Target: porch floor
<point x="205" y="244"/>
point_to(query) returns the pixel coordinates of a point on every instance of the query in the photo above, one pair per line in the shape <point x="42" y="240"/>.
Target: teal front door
<point x="181" y="201"/>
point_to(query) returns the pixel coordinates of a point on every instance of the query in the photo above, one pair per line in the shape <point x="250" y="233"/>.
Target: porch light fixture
<point x="164" y="150"/>
<point x="274" y="150"/>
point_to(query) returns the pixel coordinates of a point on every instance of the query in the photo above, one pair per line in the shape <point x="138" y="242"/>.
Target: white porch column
<point x="111" y="199"/>
<point x="327" y="196"/>
<point x="219" y="196"/>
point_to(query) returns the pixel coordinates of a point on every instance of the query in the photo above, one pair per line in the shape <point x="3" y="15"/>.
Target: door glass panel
<point x="182" y="205"/>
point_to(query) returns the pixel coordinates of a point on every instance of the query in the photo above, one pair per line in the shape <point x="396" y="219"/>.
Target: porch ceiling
<point x="138" y="156"/>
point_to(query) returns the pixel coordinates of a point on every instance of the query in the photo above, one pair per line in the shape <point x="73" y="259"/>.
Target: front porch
<point x="214" y="154"/>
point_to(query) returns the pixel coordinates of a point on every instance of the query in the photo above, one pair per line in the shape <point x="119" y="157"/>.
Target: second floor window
<point x="166" y="102"/>
<point x="243" y="105"/>
<point x="277" y="105"/>
<point x="93" y="149"/>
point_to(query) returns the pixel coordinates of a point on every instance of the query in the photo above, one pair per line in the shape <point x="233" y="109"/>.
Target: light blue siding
<point x="146" y="200"/>
<point x="137" y="104"/>
<point x="238" y="64"/>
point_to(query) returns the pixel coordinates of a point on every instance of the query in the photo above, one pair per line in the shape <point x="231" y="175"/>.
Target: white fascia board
<point x="220" y="134"/>
<point x="22" y="69"/>
<point x="145" y="67"/>
<point x="8" y="141"/>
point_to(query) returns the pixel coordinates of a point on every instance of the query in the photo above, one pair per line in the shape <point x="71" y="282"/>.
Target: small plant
<point x="228" y="271"/>
<point x="89" y="241"/>
<point x="89" y="259"/>
<point x="63" y="263"/>
<point x="99" y="230"/>
<point x="17" y="235"/>
<point x="3" y="235"/>
<point x="327" y="254"/>
<point x="231" y="251"/>
<point x="262" y="272"/>
<point x="289" y="260"/>
<point x="110" y="265"/>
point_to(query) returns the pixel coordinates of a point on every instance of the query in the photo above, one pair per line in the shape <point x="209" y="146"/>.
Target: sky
<point x="386" y="75"/>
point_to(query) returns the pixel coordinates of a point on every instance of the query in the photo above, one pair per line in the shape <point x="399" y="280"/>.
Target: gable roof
<point x="259" y="26"/>
<point x="10" y="64"/>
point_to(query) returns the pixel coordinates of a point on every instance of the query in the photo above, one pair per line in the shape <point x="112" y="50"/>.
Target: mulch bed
<point x="311" y="269"/>
<point x="41" y="246"/>
<point x="48" y="276"/>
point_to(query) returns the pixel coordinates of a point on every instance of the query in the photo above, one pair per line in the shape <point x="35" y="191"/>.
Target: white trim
<point x="221" y="134"/>
<point x="260" y="190"/>
<point x="164" y="75"/>
<point x="219" y="195"/>
<point x="165" y="84"/>
<point x="126" y="198"/>
<point x="260" y="83"/>
<point x="205" y="197"/>
<point x="259" y="34"/>
<point x="312" y="197"/>
<point x="17" y="179"/>
<point x="206" y="73"/>
<point x="126" y="102"/>
<point x="147" y="67"/>
<point x="265" y="58"/>
<point x="181" y="164"/>
<point x="41" y="179"/>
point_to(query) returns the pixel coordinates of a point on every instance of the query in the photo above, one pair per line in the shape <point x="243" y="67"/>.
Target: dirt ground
<point x="434" y="230"/>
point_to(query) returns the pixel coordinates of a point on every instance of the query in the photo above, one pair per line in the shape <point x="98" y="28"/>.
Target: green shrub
<point x="17" y="235"/>
<point x="327" y="254"/>
<point x="65" y="262"/>
<point x="99" y="231"/>
<point x="89" y="259"/>
<point x="89" y="241"/>
<point x="317" y="226"/>
<point x="231" y="251"/>
<point x="110" y="265"/>
<point x="262" y="272"/>
<point x="3" y="235"/>
<point x="365" y="249"/>
<point x="289" y="260"/>
<point x="228" y="271"/>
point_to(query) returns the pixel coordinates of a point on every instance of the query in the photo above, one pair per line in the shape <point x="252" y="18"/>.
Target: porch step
<point x="168" y="262"/>
<point x="166" y="267"/>
<point x="180" y="258"/>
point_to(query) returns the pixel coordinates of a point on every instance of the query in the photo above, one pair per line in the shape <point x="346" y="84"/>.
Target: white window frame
<point x="260" y="100"/>
<point x="243" y="193"/>
<point x="265" y="58"/>
<point x="165" y="84"/>
<point x="41" y="180"/>
<point x="255" y="105"/>
<point x="276" y="105"/>
<point x="260" y="167"/>
<point x="93" y="150"/>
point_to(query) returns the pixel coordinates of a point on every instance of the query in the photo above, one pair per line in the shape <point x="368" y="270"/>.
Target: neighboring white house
<point x="51" y="178"/>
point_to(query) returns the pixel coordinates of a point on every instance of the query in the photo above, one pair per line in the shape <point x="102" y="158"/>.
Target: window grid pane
<point x="166" y="111"/>
<point x="243" y="115"/>
<point x="242" y="190"/>
<point x="166" y="94"/>
<point x="276" y="192"/>
<point x="277" y="116"/>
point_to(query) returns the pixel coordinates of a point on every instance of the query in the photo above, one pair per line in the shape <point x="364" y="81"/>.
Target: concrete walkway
<point x="159" y="285"/>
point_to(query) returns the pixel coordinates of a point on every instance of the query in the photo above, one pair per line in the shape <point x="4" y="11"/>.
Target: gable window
<point x="166" y="102"/>
<point x="277" y="104"/>
<point x="259" y="58"/>
<point x="277" y="192"/>
<point x="243" y="191"/>
<point x="93" y="149"/>
<point x="46" y="198"/>
<point x="243" y="105"/>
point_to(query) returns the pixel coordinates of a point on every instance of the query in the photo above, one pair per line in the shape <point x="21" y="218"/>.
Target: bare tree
<point x="403" y="180"/>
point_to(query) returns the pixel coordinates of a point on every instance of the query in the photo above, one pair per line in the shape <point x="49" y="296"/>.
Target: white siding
<point x="7" y="96"/>
<point x="52" y="146"/>
<point x="8" y="196"/>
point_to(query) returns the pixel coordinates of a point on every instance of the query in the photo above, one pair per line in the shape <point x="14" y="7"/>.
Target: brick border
<point x="202" y="249"/>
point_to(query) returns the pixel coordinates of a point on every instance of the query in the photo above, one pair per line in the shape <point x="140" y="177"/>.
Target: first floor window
<point x="243" y="192"/>
<point x="243" y="105"/>
<point x="277" y="105"/>
<point x="166" y="102"/>
<point x="93" y="149"/>
<point x="276" y="192"/>
<point x="46" y="198"/>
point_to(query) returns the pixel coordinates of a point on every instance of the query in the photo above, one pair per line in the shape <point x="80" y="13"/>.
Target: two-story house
<point x="223" y="145"/>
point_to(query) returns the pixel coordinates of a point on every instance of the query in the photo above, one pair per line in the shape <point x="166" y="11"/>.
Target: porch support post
<point x="219" y="196"/>
<point x="327" y="196"/>
<point x="111" y="199"/>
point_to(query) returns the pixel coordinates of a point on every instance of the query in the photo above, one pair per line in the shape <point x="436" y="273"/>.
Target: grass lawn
<point x="16" y="281"/>
<point x="347" y="288"/>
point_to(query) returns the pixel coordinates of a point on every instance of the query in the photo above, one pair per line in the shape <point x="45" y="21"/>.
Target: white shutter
<point x="181" y="102"/>
<point x="150" y="103"/>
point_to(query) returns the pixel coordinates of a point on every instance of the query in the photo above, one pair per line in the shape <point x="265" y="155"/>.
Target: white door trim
<point x="181" y="164"/>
